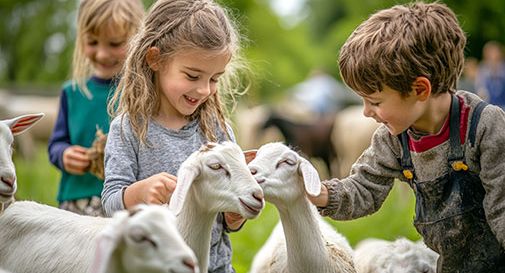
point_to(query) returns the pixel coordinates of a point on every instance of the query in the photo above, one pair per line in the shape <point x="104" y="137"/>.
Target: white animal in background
<point x="305" y="242"/>
<point x="12" y="104"/>
<point x="399" y="256"/>
<point x="352" y="134"/>
<point x="8" y="129"/>
<point x="249" y="122"/>
<point x="43" y="239"/>
<point x="213" y="179"/>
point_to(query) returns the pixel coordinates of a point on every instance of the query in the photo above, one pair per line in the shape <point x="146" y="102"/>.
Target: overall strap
<point x="455" y="151"/>
<point x="475" y="121"/>
<point x="406" y="160"/>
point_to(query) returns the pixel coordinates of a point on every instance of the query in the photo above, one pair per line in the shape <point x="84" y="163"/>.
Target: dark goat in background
<point x="312" y="139"/>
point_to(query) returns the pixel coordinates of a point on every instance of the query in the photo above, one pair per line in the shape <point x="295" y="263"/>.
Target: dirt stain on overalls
<point x="449" y="211"/>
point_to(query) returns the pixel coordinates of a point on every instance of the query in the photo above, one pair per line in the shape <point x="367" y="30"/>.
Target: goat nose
<point x="189" y="263"/>
<point x="9" y="180"/>
<point x="258" y="195"/>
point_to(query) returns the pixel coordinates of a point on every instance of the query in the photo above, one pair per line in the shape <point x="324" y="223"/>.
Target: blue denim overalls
<point x="449" y="211"/>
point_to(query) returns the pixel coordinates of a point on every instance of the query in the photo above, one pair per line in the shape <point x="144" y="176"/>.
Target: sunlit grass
<point x="38" y="180"/>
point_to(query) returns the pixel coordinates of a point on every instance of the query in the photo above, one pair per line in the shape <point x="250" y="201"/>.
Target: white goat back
<point x="44" y="239"/>
<point x="272" y="256"/>
<point x="8" y="129"/>
<point x="220" y="180"/>
<point x="400" y="256"/>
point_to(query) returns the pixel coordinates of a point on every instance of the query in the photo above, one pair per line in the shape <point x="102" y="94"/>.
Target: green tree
<point x="35" y="41"/>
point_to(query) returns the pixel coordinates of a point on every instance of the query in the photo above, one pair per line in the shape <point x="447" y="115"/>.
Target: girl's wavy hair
<point x="173" y="26"/>
<point x="94" y="16"/>
<point x="397" y="45"/>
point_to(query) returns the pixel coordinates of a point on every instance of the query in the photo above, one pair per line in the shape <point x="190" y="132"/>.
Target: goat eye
<point x="286" y="161"/>
<point x="139" y="237"/>
<point x="290" y="162"/>
<point x="215" y="166"/>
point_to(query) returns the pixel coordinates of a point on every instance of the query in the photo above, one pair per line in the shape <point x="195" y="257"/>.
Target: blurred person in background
<point x="490" y="82"/>
<point x="103" y="30"/>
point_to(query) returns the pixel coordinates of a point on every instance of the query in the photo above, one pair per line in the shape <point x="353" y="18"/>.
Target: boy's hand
<point x="75" y="159"/>
<point x="322" y="199"/>
<point x="156" y="189"/>
<point x="233" y="220"/>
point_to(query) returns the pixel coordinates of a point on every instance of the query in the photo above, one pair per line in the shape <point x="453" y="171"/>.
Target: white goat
<point x="310" y="244"/>
<point x="399" y="256"/>
<point x="212" y="180"/>
<point x="8" y="129"/>
<point x="43" y="239"/>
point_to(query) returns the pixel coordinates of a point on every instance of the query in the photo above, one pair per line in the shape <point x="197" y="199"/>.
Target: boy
<point x="404" y="62"/>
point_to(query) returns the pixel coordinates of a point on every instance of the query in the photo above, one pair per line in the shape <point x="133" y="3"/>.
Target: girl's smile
<point x="185" y="81"/>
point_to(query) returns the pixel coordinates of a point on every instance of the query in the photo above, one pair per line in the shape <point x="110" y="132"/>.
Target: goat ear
<point x="185" y="177"/>
<point x="311" y="178"/>
<point x="22" y="123"/>
<point x="250" y="155"/>
<point x="107" y="241"/>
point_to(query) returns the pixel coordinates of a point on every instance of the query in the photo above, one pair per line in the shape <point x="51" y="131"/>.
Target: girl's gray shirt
<point x="126" y="162"/>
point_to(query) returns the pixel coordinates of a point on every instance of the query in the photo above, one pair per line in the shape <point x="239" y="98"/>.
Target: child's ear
<point x="422" y="88"/>
<point x="153" y="58"/>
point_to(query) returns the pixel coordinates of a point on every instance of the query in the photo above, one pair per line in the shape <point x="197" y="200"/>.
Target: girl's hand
<point x="156" y="189"/>
<point x="233" y="220"/>
<point x="75" y="160"/>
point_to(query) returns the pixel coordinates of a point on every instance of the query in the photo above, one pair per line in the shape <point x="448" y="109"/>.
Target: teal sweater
<point x="77" y="121"/>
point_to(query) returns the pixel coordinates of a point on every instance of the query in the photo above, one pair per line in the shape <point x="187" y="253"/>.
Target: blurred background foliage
<point x="36" y="38"/>
<point x="283" y="47"/>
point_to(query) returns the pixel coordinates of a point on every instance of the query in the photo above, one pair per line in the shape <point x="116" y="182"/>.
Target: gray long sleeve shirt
<point x="365" y="189"/>
<point x="126" y="162"/>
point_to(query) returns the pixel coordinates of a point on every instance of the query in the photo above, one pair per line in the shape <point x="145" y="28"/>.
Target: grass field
<point x="38" y="180"/>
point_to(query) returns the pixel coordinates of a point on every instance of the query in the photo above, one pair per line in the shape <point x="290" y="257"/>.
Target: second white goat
<point x="44" y="239"/>
<point x="305" y="242"/>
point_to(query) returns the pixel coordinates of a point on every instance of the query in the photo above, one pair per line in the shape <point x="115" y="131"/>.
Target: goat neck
<point x="195" y="224"/>
<point x="304" y="240"/>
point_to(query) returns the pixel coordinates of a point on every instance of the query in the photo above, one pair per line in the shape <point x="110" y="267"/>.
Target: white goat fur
<point x="43" y="239"/>
<point x="212" y="180"/>
<point x="8" y="129"/>
<point x="399" y="256"/>
<point x="308" y="243"/>
<point x="351" y="135"/>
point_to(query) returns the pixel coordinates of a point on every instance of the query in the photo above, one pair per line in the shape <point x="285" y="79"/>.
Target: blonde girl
<point x="181" y="66"/>
<point x="103" y="30"/>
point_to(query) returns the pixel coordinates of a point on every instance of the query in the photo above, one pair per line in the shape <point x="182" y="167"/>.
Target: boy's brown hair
<point x="395" y="46"/>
